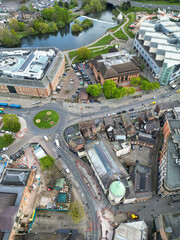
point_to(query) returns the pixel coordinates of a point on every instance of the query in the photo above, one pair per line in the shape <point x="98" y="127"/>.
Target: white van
<point x="173" y="86"/>
<point x="46" y="138"/>
<point x="67" y="170"/>
<point x="57" y="143"/>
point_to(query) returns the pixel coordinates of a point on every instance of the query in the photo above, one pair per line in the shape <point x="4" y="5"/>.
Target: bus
<point x="15" y="106"/>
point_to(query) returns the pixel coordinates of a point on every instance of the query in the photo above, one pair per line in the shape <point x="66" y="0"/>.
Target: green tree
<point x="8" y="139"/>
<point x="76" y="211"/>
<point x="86" y="23"/>
<point x="77" y="21"/>
<point x="13" y="24"/>
<point x="130" y="91"/>
<point x="136" y="81"/>
<point x="11" y="123"/>
<point x="22" y="26"/>
<point x="83" y="53"/>
<point x="109" y="88"/>
<point x="76" y="28"/>
<point x="47" y="162"/>
<point x="47" y="13"/>
<point x="8" y="38"/>
<point x="94" y="90"/>
<point x="24" y="8"/>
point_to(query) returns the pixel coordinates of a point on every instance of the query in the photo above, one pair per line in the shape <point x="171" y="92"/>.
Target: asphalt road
<point x="68" y="118"/>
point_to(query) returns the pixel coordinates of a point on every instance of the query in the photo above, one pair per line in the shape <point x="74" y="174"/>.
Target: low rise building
<point x="166" y="106"/>
<point x="117" y="66"/>
<point x="113" y="178"/>
<point x="33" y="72"/>
<point x="131" y="231"/>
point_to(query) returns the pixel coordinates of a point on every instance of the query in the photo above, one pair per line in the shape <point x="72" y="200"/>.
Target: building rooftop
<point x="116" y="64"/>
<point x="29" y="67"/>
<point x="173" y="156"/>
<point x="117" y="188"/>
<point x="132" y="231"/>
<point x="104" y="160"/>
<point x="15" y="177"/>
<point x="168" y="225"/>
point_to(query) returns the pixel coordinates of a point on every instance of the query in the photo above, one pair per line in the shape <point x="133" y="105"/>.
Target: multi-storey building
<point x="33" y="72"/>
<point x="158" y="43"/>
<point x="169" y="168"/>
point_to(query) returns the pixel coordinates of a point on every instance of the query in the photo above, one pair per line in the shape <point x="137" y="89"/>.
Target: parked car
<point x="21" y="151"/>
<point x="67" y="170"/>
<point x="132" y="146"/>
<point x="124" y="111"/>
<point x="118" y="113"/>
<point x="77" y="91"/>
<point x="131" y="109"/>
<point x="140" y="147"/>
<point x="91" y="101"/>
<point x="74" y="96"/>
<point x="2" y="131"/>
<point x="49" y="188"/>
<point x="7" y="132"/>
<point x="4" y="149"/>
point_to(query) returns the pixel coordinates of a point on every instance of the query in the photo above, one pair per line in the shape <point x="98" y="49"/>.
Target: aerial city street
<point x="89" y="120"/>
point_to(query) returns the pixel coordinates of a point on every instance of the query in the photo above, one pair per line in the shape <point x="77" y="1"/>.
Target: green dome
<point x="117" y="188"/>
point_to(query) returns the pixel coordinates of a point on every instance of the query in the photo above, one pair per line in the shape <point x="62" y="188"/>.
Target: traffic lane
<point x="69" y="162"/>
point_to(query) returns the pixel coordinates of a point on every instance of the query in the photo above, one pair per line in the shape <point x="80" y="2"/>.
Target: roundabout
<point x="46" y="119"/>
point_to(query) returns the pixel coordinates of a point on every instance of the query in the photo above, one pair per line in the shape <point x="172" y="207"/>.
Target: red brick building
<point x="118" y="66"/>
<point x="34" y="72"/>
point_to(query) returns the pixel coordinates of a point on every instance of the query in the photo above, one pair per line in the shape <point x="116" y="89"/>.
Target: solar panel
<point x="26" y="63"/>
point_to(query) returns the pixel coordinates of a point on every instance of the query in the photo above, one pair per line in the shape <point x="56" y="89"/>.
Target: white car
<point x="7" y="132"/>
<point x="67" y="170"/>
<point x="4" y="149"/>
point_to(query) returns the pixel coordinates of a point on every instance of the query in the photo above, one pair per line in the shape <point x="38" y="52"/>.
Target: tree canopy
<point x="76" y="211"/>
<point x="93" y="5"/>
<point x="83" y="53"/>
<point x="47" y="162"/>
<point x="94" y="90"/>
<point x="144" y="84"/>
<point x="11" y="123"/>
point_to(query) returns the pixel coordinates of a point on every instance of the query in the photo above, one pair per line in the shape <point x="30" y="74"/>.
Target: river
<point x="64" y="39"/>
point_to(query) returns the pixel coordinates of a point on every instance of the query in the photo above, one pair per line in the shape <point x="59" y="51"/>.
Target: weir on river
<point x="97" y="20"/>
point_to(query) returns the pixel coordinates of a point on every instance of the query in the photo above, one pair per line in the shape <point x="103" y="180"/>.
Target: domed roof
<point x="117" y="188"/>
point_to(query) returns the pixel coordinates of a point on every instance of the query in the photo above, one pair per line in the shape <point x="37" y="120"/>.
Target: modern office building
<point x="169" y="168"/>
<point x="118" y="66"/>
<point x="33" y="72"/>
<point x="158" y="43"/>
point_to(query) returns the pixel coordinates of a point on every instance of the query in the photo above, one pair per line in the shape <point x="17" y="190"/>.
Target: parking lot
<point x="78" y="77"/>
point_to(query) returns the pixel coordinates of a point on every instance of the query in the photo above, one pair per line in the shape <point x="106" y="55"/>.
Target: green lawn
<point x="72" y="54"/>
<point x="46" y="119"/>
<point x="159" y="2"/>
<point x="121" y="35"/>
<point x="132" y="18"/>
<point x="138" y="9"/>
<point x="94" y="54"/>
<point x="104" y="41"/>
<point x="116" y="27"/>
<point x="5" y="141"/>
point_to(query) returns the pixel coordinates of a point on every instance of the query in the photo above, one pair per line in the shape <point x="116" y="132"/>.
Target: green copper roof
<point x="117" y="188"/>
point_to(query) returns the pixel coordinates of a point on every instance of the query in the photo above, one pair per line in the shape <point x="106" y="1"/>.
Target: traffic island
<point x="46" y="119"/>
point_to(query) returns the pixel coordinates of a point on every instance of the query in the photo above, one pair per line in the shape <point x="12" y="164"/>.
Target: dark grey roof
<point x="15" y="177"/>
<point x="7" y="211"/>
<point x="167" y="105"/>
<point x="50" y="236"/>
<point x="144" y="137"/>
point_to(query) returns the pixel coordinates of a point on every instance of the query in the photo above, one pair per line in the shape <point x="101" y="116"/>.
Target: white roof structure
<point x="132" y="231"/>
<point x="162" y="35"/>
<point x="39" y="153"/>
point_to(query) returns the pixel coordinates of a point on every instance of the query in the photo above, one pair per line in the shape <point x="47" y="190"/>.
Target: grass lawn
<point x="121" y="35"/>
<point x="138" y="9"/>
<point x="72" y="54"/>
<point x="159" y="2"/>
<point x="104" y="41"/>
<point x="4" y="142"/>
<point x="132" y="18"/>
<point x="115" y="28"/>
<point x="94" y="54"/>
<point x="46" y="119"/>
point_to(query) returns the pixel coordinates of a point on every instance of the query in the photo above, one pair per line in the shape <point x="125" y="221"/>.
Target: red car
<point x="49" y="189"/>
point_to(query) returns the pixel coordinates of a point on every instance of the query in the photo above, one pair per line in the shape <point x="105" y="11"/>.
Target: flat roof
<point x="173" y="170"/>
<point x="30" y="67"/>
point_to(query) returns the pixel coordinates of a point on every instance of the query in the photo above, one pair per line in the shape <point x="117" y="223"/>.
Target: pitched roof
<point x="15" y="177"/>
